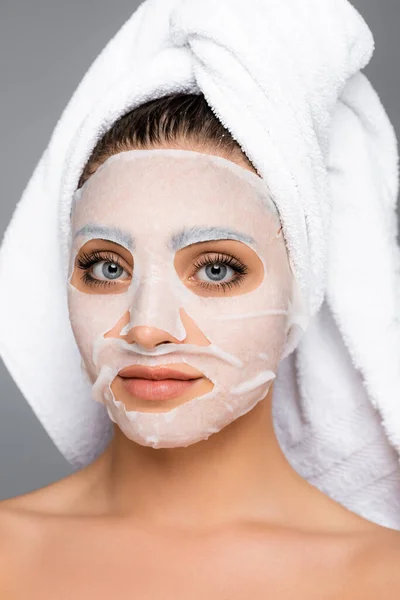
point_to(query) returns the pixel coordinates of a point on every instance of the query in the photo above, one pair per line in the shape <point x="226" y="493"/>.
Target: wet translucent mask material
<point x="164" y="210"/>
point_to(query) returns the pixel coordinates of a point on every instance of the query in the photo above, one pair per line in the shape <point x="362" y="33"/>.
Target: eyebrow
<point x="113" y="234"/>
<point x="195" y="235"/>
<point x="185" y="237"/>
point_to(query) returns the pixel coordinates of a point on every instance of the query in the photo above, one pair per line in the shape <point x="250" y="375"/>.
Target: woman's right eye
<point x="110" y="270"/>
<point x="101" y="268"/>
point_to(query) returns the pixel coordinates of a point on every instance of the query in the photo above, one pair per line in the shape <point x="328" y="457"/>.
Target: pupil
<point x="111" y="269"/>
<point x="216" y="271"/>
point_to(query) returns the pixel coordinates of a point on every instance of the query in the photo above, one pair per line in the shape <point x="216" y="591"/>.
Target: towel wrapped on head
<point x="285" y="79"/>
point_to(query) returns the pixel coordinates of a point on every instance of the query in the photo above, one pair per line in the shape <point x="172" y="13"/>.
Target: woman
<point x="212" y="488"/>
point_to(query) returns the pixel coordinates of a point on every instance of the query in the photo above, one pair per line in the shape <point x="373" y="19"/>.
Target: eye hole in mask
<point x="208" y="269"/>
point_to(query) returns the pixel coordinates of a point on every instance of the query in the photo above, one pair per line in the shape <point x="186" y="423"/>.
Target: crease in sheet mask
<point x="154" y="202"/>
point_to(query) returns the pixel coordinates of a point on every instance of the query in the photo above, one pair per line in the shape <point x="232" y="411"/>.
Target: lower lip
<point x="150" y="389"/>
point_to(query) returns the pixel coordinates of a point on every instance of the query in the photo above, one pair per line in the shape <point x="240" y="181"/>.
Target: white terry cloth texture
<point x="285" y="78"/>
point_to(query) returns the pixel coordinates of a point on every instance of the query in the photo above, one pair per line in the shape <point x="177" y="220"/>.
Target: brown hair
<point x="168" y="120"/>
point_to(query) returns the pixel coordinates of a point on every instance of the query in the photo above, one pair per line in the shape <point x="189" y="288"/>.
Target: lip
<point x="159" y="373"/>
<point x="158" y="383"/>
<point x="164" y="389"/>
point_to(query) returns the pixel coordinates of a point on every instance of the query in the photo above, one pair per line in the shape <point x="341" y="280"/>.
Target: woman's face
<point x="177" y="261"/>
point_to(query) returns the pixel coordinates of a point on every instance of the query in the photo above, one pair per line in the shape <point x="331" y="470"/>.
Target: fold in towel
<point x="285" y="79"/>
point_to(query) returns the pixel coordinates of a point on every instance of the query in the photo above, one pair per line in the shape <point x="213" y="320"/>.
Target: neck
<point x="239" y="473"/>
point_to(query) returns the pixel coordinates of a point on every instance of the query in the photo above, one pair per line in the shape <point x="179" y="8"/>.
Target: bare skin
<point x="227" y="518"/>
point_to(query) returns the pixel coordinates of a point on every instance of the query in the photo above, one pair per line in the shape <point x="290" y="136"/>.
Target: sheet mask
<point x="154" y="203"/>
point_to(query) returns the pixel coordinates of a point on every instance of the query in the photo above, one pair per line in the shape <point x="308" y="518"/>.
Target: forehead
<point x="140" y="193"/>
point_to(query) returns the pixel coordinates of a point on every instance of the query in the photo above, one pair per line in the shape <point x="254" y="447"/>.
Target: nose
<point x="155" y="307"/>
<point x="149" y="337"/>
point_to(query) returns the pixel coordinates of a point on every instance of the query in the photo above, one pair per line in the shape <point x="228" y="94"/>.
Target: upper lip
<point x="158" y="373"/>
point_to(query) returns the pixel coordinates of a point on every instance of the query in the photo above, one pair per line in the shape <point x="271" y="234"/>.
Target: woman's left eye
<point x="216" y="272"/>
<point x="219" y="271"/>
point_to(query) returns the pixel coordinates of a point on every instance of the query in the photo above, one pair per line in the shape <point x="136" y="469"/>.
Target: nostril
<point x="149" y="337"/>
<point x="169" y="341"/>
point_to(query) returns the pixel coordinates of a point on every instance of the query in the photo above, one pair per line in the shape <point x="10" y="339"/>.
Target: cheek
<point x="248" y="325"/>
<point x="92" y="316"/>
<point x="268" y="338"/>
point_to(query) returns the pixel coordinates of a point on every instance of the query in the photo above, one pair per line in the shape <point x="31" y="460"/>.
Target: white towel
<point x="284" y="77"/>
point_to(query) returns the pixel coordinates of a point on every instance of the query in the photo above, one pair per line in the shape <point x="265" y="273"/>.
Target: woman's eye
<point x="218" y="272"/>
<point x="101" y="269"/>
<point x="108" y="270"/>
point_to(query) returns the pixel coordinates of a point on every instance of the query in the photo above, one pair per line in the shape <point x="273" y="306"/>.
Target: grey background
<point x="46" y="46"/>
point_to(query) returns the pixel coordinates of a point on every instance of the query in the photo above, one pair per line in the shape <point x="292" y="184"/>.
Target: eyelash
<point x="86" y="261"/>
<point x="222" y="259"/>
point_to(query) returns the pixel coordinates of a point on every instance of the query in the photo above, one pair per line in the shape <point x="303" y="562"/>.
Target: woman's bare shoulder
<point x="60" y="497"/>
<point x="23" y="517"/>
<point x="373" y="568"/>
<point x="18" y="517"/>
<point x="380" y="565"/>
<point x="23" y="521"/>
<point x="12" y="537"/>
